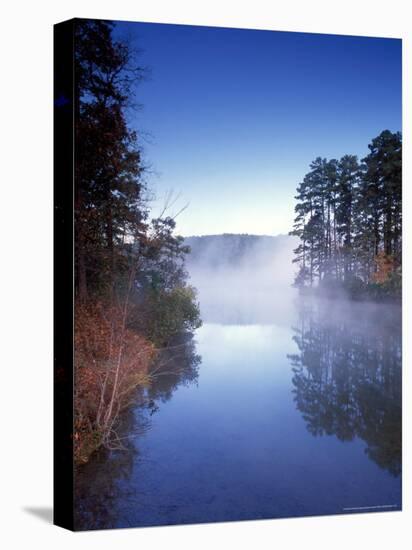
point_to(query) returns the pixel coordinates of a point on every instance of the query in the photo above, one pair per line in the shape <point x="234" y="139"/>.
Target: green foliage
<point x="390" y="289"/>
<point x="164" y="256"/>
<point x="173" y="311"/>
<point x="355" y="288"/>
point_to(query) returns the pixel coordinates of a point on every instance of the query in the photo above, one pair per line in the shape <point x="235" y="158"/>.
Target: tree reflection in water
<point x="347" y="376"/>
<point x="99" y="483"/>
<point x="176" y="365"/>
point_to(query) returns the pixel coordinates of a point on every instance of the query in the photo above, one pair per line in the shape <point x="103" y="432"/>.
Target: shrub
<point x="172" y="311"/>
<point x="111" y="361"/>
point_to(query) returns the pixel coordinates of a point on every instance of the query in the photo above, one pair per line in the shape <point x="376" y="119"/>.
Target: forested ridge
<point x="349" y="222"/>
<point x="131" y="290"/>
<point x="233" y="249"/>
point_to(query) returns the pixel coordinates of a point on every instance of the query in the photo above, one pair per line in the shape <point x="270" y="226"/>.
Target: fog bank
<point x="243" y="279"/>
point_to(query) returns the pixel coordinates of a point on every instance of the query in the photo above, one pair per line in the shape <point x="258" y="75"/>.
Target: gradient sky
<point x="232" y="118"/>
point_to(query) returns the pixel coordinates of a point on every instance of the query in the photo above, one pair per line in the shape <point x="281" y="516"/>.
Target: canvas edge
<point x="63" y="265"/>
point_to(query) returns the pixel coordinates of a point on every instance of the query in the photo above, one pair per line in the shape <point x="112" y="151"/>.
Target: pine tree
<point x="384" y="176"/>
<point x="347" y="182"/>
<point x="109" y="209"/>
<point x="349" y="219"/>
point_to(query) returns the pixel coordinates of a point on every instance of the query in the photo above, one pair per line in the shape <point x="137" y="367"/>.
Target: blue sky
<point x="232" y="118"/>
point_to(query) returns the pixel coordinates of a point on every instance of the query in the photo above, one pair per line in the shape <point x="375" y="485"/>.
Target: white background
<point x="26" y="272"/>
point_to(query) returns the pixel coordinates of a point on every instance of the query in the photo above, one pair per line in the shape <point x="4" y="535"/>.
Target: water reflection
<point x="103" y="482"/>
<point x="347" y="376"/>
<point x="176" y="365"/>
<point x="97" y="482"/>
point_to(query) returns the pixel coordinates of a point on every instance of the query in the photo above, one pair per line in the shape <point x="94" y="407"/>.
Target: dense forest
<point x="349" y="222"/>
<point x="131" y="289"/>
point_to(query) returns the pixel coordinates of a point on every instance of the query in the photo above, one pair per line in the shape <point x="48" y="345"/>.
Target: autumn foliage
<point x="385" y="266"/>
<point x="111" y="362"/>
<point x="130" y="283"/>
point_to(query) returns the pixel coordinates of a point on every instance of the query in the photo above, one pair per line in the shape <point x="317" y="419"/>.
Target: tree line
<point x="131" y="290"/>
<point x="349" y="222"/>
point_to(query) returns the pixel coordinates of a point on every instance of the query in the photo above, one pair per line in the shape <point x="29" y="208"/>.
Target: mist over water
<point x="345" y="356"/>
<point x="243" y="279"/>
<point x="279" y="406"/>
<point x="247" y="279"/>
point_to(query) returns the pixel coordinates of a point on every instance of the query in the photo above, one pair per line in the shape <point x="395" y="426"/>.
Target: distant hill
<point x="242" y="278"/>
<point x="233" y="250"/>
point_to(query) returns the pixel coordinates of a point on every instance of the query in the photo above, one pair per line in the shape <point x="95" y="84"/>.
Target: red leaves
<point x="110" y="363"/>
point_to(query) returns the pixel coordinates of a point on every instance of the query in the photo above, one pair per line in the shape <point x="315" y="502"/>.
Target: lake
<point x="260" y="415"/>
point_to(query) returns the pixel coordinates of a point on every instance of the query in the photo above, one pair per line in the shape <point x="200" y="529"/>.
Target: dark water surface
<point x="261" y="417"/>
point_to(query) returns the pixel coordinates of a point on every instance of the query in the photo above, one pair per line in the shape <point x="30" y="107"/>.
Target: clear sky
<point x="232" y="118"/>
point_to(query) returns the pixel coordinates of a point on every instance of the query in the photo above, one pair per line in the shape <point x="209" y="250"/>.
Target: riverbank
<point x="111" y="363"/>
<point x="116" y="365"/>
<point x="389" y="292"/>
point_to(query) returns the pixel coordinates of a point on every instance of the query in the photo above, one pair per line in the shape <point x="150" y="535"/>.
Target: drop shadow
<point x="42" y="512"/>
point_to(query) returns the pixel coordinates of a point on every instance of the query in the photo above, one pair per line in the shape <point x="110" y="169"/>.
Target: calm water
<point x="261" y="417"/>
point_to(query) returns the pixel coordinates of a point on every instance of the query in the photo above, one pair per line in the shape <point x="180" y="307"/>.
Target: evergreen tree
<point x="303" y="253"/>
<point x="384" y="176"/>
<point x="347" y="182"/>
<point x="349" y="220"/>
<point x="109" y="209"/>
